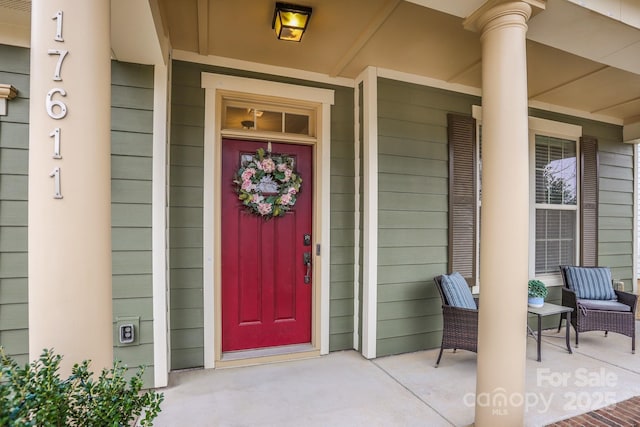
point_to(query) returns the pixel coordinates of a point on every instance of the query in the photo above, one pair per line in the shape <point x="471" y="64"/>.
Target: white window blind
<point x="556" y="203"/>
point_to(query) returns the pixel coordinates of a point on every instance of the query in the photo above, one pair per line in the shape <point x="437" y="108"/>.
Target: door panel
<point x="265" y="300"/>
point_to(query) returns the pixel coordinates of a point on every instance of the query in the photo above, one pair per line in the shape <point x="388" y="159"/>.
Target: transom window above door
<point x="268" y="118"/>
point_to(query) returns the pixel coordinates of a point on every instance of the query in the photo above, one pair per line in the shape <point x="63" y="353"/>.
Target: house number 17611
<point x="56" y="108"/>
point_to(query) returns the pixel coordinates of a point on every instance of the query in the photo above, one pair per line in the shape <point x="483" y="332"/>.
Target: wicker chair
<point x="586" y="319"/>
<point x="460" y="325"/>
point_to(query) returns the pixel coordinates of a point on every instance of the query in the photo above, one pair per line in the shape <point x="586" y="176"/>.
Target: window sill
<point x="550" y="279"/>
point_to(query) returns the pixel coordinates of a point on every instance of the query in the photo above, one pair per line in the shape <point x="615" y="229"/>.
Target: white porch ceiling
<point x="579" y="60"/>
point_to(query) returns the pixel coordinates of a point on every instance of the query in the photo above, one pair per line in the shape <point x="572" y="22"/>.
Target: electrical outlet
<point x="127" y="331"/>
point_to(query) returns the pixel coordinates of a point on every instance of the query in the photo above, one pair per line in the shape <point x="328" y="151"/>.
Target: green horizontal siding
<point x="186" y="218"/>
<point x="14" y="167"/>
<point x="616" y="164"/>
<point x="341" y="308"/>
<point x="413" y="169"/>
<point x="131" y="175"/>
<point x="132" y="105"/>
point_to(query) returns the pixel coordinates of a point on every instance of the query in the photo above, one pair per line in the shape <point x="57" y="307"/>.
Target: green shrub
<point x="35" y="395"/>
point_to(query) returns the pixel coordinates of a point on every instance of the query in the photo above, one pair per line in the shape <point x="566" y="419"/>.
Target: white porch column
<point x="505" y="215"/>
<point x="69" y="188"/>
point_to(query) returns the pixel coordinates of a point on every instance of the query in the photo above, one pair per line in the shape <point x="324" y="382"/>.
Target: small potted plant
<point x="537" y="293"/>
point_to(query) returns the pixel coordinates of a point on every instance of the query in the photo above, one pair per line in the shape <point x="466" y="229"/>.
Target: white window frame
<point x="476" y="112"/>
<point x="556" y="130"/>
<point x="541" y="127"/>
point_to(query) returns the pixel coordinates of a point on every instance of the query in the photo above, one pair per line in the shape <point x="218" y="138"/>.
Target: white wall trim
<point x="549" y="127"/>
<point x="238" y="64"/>
<point x="370" y="210"/>
<point x="552" y="127"/>
<point x="266" y="88"/>
<point x="209" y="230"/>
<point x="212" y="140"/>
<point x="427" y="81"/>
<point x="324" y="152"/>
<point x="159" y="225"/>
<point x="636" y="230"/>
<point x="575" y="113"/>
<point x="356" y="218"/>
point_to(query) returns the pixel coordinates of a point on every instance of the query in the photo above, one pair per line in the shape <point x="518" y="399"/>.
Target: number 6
<point x="51" y="103"/>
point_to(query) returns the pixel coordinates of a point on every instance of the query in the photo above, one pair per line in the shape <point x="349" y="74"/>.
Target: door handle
<point x="306" y="260"/>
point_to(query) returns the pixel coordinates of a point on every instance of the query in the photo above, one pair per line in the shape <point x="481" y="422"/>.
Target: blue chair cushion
<point x="604" y="305"/>
<point x="457" y="291"/>
<point x="593" y="283"/>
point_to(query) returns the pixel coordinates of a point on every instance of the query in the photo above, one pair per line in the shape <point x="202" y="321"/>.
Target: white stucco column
<point x="505" y="215"/>
<point x="69" y="186"/>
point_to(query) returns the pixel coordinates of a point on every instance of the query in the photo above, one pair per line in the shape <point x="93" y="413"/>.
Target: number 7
<point x="62" y="53"/>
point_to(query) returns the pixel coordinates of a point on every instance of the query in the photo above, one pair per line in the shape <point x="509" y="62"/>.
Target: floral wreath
<point x="267" y="184"/>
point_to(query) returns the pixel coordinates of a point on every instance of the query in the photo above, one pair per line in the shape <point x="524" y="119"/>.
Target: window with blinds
<point x="564" y="203"/>
<point x="556" y="203"/>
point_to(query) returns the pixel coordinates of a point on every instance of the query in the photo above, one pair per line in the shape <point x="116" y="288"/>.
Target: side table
<point x="549" y="309"/>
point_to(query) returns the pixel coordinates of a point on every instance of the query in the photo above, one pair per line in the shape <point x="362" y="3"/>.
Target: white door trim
<point x="214" y="85"/>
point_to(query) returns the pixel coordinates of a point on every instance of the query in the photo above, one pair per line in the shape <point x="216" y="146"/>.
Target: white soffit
<point x="458" y="8"/>
<point x="133" y="33"/>
<point x="627" y="11"/>
<point x="583" y="32"/>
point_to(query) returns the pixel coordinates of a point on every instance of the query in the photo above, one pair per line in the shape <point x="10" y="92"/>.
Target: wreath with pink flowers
<point x="267" y="184"/>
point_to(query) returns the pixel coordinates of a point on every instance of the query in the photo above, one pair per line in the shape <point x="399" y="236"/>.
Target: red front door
<point x="265" y="300"/>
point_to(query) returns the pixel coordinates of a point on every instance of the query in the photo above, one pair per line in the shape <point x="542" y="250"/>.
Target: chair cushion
<point x="592" y="283"/>
<point x="457" y="291"/>
<point x="594" y="304"/>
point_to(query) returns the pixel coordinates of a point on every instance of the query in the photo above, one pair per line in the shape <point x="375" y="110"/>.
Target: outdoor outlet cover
<point x="127" y="333"/>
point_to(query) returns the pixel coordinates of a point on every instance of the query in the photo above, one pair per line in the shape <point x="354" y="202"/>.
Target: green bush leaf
<point x="35" y="395"/>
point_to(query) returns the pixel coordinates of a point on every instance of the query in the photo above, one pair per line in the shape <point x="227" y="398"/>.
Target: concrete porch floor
<point x="344" y="389"/>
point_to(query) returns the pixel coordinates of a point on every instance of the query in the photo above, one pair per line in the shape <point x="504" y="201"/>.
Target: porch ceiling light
<point x="290" y="21"/>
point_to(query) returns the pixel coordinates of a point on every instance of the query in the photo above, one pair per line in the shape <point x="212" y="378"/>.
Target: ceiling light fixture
<point x="290" y="21"/>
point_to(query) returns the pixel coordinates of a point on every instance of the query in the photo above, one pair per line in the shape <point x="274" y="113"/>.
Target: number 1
<point x="58" y="18"/>
<point x="55" y="174"/>
<point x="56" y="143"/>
